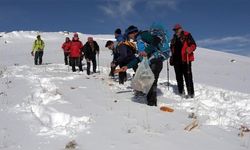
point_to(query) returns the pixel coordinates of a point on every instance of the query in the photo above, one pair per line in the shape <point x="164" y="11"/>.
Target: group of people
<point x="127" y="55"/>
<point x="128" y="51"/>
<point x="74" y="52"/>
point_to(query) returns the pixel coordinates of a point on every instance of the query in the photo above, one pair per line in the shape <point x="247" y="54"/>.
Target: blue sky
<point x="216" y="24"/>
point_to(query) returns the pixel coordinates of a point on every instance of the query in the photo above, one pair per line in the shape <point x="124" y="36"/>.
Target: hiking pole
<point x="188" y="72"/>
<point x="98" y="63"/>
<point x="168" y="73"/>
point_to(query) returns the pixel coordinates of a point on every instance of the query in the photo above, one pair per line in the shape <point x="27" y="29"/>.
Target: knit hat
<point x="118" y="31"/>
<point x="131" y="29"/>
<point x="75" y="35"/>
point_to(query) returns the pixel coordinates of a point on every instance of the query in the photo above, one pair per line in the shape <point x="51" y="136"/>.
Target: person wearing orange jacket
<point x="182" y="48"/>
<point x="66" y="49"/>
<point x="75" y="53"/>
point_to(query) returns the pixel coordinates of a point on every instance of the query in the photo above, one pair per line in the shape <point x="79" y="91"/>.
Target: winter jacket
<point x="119" y="38"/>
<point x="145" y="43"/>
<point x="38" y="45"/>
<point x="125" y="54"/>
<point x="66" y="46"/>
<point x="115" y="54"/>
<point x="75" y="48"/>
<point x="179" y="46"/>
<point x="90" y="51"/>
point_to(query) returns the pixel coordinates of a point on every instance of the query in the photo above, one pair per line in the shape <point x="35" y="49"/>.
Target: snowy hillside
<point x="45" y="107"/>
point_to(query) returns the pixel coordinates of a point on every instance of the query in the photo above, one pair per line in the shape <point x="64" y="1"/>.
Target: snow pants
<point x="156" y="67"/>
<point x="184" y="70"/>
<point x="76" y="61"/>
<point x="93" y="59"/>
<point x="38" y="59"/>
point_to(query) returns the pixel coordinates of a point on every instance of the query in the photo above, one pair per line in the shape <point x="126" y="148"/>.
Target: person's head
<point x="75" y="37"/>
<point x="90" y="39"/>
<point x="110" y="45"/>
<point x="131" y="32"/>
<point x="177" y="29"/>
<point x="38" y="37"/>
<point x="118" y="32"/>
<point x="67" y="39"/>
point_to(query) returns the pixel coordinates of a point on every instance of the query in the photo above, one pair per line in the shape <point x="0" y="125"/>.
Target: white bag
<point x="144" y="77"/>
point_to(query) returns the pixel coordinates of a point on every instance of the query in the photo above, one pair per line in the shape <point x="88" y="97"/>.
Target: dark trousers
<point x="123" y="75"/>
<point x="76" y="61"/>
<point x="38" y="59"/>
<point x="89" y="65"/>
<point x="112" y="70"/>
<point x="156" y="67"/>
<point x="184" y="69"/>
<point x="66" y="58"/>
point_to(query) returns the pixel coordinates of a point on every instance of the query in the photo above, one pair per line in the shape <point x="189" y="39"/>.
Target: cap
<point x="177" y="26"/>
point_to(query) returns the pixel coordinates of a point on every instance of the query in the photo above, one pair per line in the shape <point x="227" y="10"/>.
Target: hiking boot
<point x="190" y="96"/>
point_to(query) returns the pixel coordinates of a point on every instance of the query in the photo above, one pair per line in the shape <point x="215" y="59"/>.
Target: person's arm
<point x="191" y="44"/>
<point x="131" y="64"/>
<point x="63" y="46"/>
<point x="85" y="50"/>
<point x="43" y="44"/>
<point x="34" y="47"/>
<point x="97" y="47"/>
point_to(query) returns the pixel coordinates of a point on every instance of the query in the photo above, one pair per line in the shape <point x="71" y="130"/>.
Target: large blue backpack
<point x="157" y="39"/>
<point x="159" y="32"/>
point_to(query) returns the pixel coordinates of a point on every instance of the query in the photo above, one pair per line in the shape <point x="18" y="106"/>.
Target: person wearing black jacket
<point x="124" y="51"/>
<point x="182" y="48"/>
<point x="91" y="49"/>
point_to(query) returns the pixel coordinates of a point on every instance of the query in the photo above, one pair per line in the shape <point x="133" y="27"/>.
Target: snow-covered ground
<point x="44" y="107"/>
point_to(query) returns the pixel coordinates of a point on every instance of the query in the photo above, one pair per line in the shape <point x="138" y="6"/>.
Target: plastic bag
<point x="144" y="77"/>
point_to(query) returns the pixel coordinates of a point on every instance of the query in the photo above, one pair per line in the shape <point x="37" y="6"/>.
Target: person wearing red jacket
<point x="75" y="53"/>
<point x="182" y="47"/>
<point x="66" y="50"/>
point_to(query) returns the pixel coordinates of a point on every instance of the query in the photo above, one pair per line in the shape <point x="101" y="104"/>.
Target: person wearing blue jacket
<point x="149" y="51"/>
<point x="118" y="35"/>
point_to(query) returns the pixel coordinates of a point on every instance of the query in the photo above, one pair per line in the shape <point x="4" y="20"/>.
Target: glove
<point x="32" y="53"/>
<point x="143" y="53"/>
<point x="188" y="50"/>
<point x="113" y="64"/>
<point x="124" y="68"/>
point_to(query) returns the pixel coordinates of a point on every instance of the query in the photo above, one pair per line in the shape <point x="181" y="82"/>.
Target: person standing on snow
<point x="76" y="53"/>
<point x="91" y="49"/>
<point x="118" y="35"/>
<point x="66" y="49"/>
<point x="37" y="50"/>
<point x="147" y="50"/>
<point x="182" y="48"/>
<point x="112" y="46"/>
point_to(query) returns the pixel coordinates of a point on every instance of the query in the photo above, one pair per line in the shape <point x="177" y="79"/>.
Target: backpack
<point x="130" y="45"/>
<point x="157" y="38"/>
